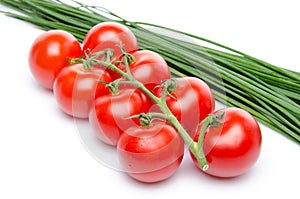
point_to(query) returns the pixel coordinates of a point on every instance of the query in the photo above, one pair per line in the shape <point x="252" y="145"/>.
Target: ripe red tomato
<point x="110" y="35"/>
<point x="234" y="146"/>
<point x="76" y="88"/>
<point x="150" y="154"/>
<point x="49" y="54"/>
<point x="190" y="102"/>
<point x="148" y="68"/>
<point x="108" y="115"/>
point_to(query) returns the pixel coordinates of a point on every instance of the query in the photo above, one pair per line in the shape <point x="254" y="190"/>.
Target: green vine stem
<point x="195" y="147"/>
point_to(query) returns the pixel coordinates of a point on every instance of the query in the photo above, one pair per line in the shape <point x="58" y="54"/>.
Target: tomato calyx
<point x="114" y="85"/>
<point x="169" y="86"/>
<point x="89" y="59"/>
<point x="213" y="120"/>
<point x="145" y="119"/>
<point x="129" y="57"/>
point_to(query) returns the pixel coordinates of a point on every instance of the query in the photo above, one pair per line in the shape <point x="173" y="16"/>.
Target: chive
<point x="270" y="93"/>
<point x="290" y="74"/>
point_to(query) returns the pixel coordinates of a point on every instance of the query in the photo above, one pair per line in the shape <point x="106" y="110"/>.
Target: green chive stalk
<point x="270" y="93"/>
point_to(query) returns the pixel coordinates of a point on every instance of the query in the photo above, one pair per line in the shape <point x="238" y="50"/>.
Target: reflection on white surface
<point x="105" y="154"/>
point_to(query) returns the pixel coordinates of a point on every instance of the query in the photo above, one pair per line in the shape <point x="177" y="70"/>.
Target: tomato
<point x="75" y="89"/>
<point x="109" y="115"/>
<point x="109" y="35"/>
<point x="234" y="146"/>
<point x="190" y="102"/>
<point x="148" y="68"/>
<point x="150" y="154"/>
<point x="49" y="54"/>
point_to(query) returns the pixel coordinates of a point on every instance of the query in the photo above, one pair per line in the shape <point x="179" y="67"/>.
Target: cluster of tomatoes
<point x="148" y="153"/>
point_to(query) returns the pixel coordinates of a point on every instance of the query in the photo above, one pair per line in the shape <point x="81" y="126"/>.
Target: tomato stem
<point x="127" y="59"/>
<point x="196" y="148"/>
<point x="213" y="120"/>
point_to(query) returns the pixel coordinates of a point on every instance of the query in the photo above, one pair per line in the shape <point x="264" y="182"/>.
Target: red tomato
<point x="150" y="154"/>
<point x="108" y="115"/>
<point x="233" y="147"/>
<point x="190" y="102"/>
<point x="49" y="54"/>
<point x="76" y="88"/>
<point x="110" y="35"/>
<point x="148" y="68"/>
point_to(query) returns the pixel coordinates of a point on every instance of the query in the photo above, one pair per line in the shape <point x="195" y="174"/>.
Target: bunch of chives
<point x="270" y="93"/>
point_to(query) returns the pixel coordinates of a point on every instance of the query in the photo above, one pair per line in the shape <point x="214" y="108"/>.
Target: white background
<point x="42" y="155"/>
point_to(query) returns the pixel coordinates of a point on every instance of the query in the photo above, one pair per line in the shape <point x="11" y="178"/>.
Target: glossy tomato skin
<point x="148" y="68"/>
<point x="49" y="54"/>
<point x="109" y="35"/>
<point x="150" y="154"/>
<point x="232" y="148"/>
<point x="190" y="102"/>
<point x="109" y="115"/>
<point x="75" y="89"/>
